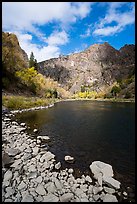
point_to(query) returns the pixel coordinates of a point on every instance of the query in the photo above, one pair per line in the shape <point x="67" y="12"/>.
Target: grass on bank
<point x="22" y="102"/>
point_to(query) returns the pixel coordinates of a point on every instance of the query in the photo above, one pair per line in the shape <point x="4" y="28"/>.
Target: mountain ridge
<point x="100" y="63"/>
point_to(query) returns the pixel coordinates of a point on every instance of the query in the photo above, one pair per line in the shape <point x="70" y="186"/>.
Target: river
<point x="89" y="131"/>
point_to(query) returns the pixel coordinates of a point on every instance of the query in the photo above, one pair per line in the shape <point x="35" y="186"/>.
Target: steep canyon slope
<point x="97" y="68"/>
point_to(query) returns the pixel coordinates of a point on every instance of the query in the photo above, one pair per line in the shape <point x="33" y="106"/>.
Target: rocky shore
<point x="30" y="172"/>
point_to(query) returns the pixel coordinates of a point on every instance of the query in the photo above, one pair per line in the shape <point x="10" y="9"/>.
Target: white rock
<point x="84" y="187"/>
<point x="22" y="186"/>
<point x="78" y="192"/>
<point x="8" y="200"/>
<point x="23" y="124"/>
<point x="38" y="141"/>
<point x="58" y="184"/>
<point x="111" y="182"/>
<point x="69" y="159"/>
<point x="40" y="190"/>
<point x="70" y="171"/>
<point x="101" y="167"/>
<point x="109" y="198"/>
<point x="13" y="152"/>
<point x="32" y="175"/>
<point x="88" y="179"/>
<point x="47" y="156"/>
<point x="51" y="187"/>
<point x="10" y="191"/>
<point x="6" y="183"/>
<point x="28" y="198"/>
<point x="28" y="150"/>
<point x="125" y="193"/>
<point x="66" y="197"/>
<point x="16" y="163"/>
<point x="58" y="165"/>
<point x="38" y="179"/>
<point x="39" y="198"/>
<point x="35" y="130"/>
<point x="50" y="198"/>
<point x="35" y="150"/>
<point x="109" y="190"/>
<point x="7" y="175"/>
<point x="96" y="197"/>
<point x="43" y="137"/>
<point x="32" y="168"/>
<point x="96" y="189"/>
<point x="84" y="200"/>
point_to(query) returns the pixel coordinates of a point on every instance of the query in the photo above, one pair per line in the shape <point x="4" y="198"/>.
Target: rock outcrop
<point x="12" y="54"/>
<point x="97" y="67"/>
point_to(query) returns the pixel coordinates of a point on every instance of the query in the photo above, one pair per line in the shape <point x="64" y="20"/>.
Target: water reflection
<point x="89" y="131"/>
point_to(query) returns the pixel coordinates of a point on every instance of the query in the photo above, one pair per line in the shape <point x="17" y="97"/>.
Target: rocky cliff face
<point x="13" y="56"/>
<point x="97" y="67"/>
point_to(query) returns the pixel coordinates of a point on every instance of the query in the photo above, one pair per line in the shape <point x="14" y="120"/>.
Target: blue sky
<point x="53" y="28"/>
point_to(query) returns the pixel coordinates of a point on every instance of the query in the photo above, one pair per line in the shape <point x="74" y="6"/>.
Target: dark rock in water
<point x="5" y="110"/>
<point x="6" y="160"/>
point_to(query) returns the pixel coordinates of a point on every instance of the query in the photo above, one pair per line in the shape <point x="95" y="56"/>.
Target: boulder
<point x="109" y="198"/>
<point x="7" y="175"/>
<point x="28" y="198"/>
<point x="111" y="182"/>
<point x="22" y="186"/>
<point x="50" y="198"/>
<point x="16" y="163"/>
<point x="40" y="190"/>
<point x="13" y="152"/>
<point x="35" y="150"/>
<point x="69" y="159"/>
<point x="109" y="190"/>
<point x="47" y="156"/>
<point x="66" y="197"/>
<point x="6" y="160"/>
<point x="101" y="167"/>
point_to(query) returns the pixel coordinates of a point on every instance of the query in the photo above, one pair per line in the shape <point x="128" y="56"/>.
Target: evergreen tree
<point x="32" y="61"/>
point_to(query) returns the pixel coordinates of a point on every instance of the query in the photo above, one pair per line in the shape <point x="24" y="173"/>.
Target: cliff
<point x="97" y="68"/>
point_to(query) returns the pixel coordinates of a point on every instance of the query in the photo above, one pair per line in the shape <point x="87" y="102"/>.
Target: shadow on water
<point x="89" y="131"/>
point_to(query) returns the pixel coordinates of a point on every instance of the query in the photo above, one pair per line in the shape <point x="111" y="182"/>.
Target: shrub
<point x="108" y="95"/>
<point x="115" y="90"/>
<point x="128" y="95"/>
<point x="5" y="82"/>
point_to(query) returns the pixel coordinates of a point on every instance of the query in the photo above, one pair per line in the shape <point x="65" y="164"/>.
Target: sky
<point x="50" y="29"/>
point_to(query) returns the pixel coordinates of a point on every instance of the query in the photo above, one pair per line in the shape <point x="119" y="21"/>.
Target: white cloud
<point x="28" y="15"/>
<point x="113" y="15"/>
<point x="40" y="53"/>
<point x="86" y="34"/>
<point x="24" y="17"/>
<point x="57" y="38"/>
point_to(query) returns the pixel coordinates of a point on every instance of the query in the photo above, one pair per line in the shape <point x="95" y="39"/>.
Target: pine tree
<point x="32" y="61"/>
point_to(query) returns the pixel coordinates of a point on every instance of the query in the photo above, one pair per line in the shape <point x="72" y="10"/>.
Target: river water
<point x="89" y="131"/>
